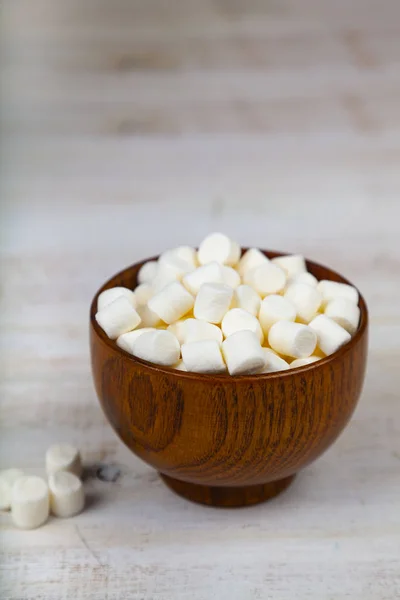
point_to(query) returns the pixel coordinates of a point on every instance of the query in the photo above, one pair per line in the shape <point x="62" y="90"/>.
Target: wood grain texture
<point x="219" y="431"/>
<point x="129" y="127"/>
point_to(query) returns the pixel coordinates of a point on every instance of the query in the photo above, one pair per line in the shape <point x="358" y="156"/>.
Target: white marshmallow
<point x="171" y="303"/>
<point x="125" y="341"/>
<point x="143" y="293"/>
<point x="67" y="497"/>
<point x="331" y="336"/>
<point x="210" y="273"/>
<point x="305" y="277"/>
<point x="171" y="267"/>
<point x="238" y="319"/>
<point x="243" y="353"/>
<point x="266" y="279"/>
<point x="160" y="347"/>
<point x="11" y="475"/>
<point x="302" y="362"/>
<point x="63" y="457"/>
<point x="163" y="278"/>
<point x="331" y="290"/>
<point x="147" y="272"/>
<point x="245" y="297"/>
<point x="230" y="277"/>
<point x="29" y="502"/>
<point x="345" y="313"/>
<point x="220" y="248"/>
<point x="186" y="253"/>
<point x="196" y="330"/>
<point x="179" y="329"/>
<point x="170" y="263"/>
<point x="212" y="302"/>
<point x="118" y="317"/>
<point x="275" y="308"/>
<point x="251" y="259"/>
<point x="273" y="362"/>
<point x="7" y="479"/>
<point x="292" y="265"/>
<point x="112" y="294"/>
<point x="148" y="317"/>
<point x="305" y="298"/>
<point x="203" y="356"/>
<point x="180" y="366"/>
<point x="292" y="339"/>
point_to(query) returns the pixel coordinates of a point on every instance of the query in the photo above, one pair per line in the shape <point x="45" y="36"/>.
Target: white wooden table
<point x="128" y="127"/>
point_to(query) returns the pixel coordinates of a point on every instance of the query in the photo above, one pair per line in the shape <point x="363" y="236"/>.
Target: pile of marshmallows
<point x="216" y="310"/>
<point x="31" y="499"/>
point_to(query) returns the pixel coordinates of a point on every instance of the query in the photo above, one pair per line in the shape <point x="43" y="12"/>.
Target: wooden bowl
<point x="222" y="440"/>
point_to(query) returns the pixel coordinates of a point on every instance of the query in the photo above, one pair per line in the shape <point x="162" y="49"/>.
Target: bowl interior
<point x="128" y="278"/>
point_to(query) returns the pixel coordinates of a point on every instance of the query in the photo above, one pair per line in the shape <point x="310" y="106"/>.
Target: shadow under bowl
<point x="222" y="440"/>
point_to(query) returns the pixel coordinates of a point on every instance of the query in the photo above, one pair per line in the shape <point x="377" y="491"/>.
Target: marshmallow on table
<point x="112" y="294"/>
<point x="212" y="302"/>
<point x="273" y="362"/>
<point x="118" y="317"/>
<point x="148" y="317"/>
<point x="266" y="279"/>
<point x="218" y="247"/>
<point x="243" y="353"/>
<point x="67" y="497"/>
<point x="210" y="273"/>
<point x="245" y="297"/>
<point x="305" y="277"/>
<point x="275" y="308"/>
<point x="147" y="272"/>
<point x="345" y="312"/>
<point x="196" y="330"/>
<point x="171" y="303"/>
<point x="331" y="290"/>
<point x="7" y="479"/>
<point x="331" y="336"/>
<point x="305" y="298"/>
<point x="29" y="502"/>
<point x="160" y="347"/>
<point x="302" y="362"/>
<point x="292" y="264"/>
<point x="63" y="457"/>
<point x="292" y="339"/>
<point x="203" y="356"/>
<point x="143" y="293"/>
<point x="251" y="259"/>
<point x="125" y="341"/>
<point x="230" y="276"/>
<point x="238" y="319"/>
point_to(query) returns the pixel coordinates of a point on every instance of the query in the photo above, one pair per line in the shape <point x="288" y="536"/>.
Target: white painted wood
<point x="276" y="122"/>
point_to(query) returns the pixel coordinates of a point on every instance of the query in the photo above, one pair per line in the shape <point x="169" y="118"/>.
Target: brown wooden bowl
<point x="222" y="440"/>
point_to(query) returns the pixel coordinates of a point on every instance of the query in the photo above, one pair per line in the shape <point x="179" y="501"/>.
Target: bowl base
<point x="228" y="497"/>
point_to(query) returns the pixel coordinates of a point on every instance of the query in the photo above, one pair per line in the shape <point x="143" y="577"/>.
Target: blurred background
<point x="131" y="126"/>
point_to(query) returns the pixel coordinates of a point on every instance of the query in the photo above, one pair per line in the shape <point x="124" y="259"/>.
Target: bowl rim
<point x="224" y="377"/>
